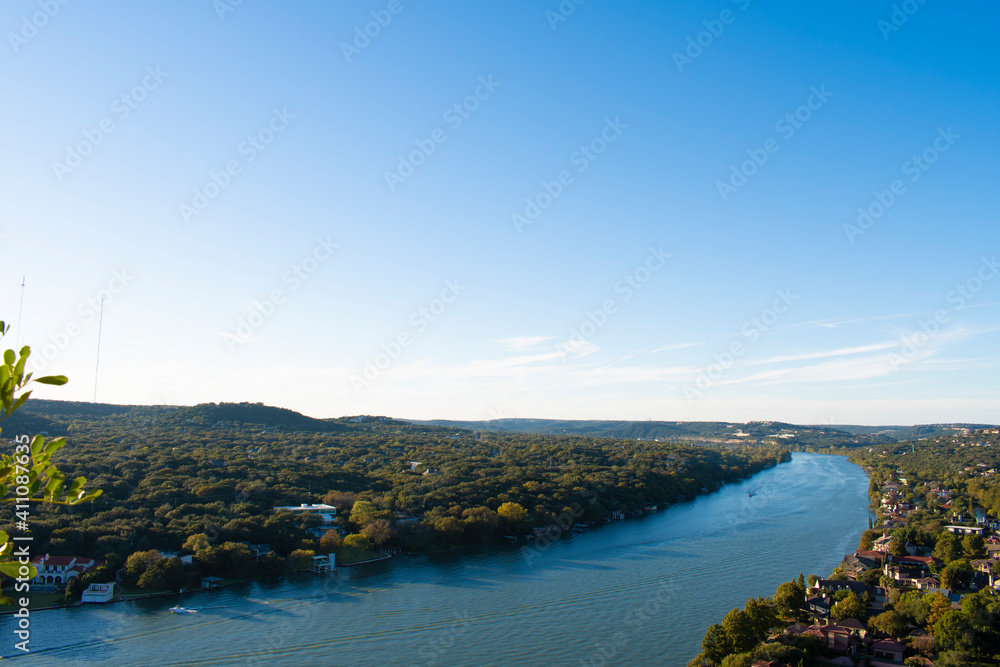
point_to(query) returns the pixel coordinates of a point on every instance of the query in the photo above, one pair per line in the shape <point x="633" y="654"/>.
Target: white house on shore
<point x="56" y="571"/>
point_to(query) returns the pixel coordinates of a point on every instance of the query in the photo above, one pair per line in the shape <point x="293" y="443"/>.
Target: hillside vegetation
<point x="168" y="473"/>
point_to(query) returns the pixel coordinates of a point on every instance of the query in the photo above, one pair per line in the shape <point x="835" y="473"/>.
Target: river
<point x="641" y="592"/>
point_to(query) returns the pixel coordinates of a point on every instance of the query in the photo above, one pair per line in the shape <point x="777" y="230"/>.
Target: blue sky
<point x="729" y="211"/>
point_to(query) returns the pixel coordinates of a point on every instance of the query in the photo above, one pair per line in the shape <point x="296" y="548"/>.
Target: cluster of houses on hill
<point x="848" y="642"/>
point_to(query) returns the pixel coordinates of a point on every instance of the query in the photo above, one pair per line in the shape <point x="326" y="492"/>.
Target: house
<point x="874" y="593"/>
<point x="984" y="565"/>
<point x="853" y="567"/>
<point x="930" y="584"/>
<point x="56" y="571"/>
<point x="923" y="562"/>
<point x="836" y="639"/>
<point x="882" y="544"/>
<point x="870" y="558"/>
<point x="796" y="628"/>
<point x="965" y="530"/>
<point x="819" y="606"/>
<point x="854" y="627"/>
<point x="887" y="652"/>
<point x="99" y="593"/>
<point x="326" y="513"/>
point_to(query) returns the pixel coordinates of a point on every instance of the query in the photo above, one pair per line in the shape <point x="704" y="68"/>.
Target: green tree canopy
<point x="514" y="514"/>
<point x="973" y="547"/>
<point x="890" y="623"/>
<point x="850" y="607"/>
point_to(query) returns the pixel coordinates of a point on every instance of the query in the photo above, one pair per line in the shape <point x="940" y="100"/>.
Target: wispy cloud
<point x="840" y="352"/>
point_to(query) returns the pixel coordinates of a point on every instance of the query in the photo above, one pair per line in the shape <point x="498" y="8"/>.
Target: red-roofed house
<point x="56" y="571"/>
<point x="887" y="653"/>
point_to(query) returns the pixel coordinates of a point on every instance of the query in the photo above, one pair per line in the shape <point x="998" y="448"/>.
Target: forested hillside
<point x="171" y="472"/>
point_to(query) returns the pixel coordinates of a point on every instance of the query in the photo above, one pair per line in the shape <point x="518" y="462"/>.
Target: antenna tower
<point x="97" y="365"/>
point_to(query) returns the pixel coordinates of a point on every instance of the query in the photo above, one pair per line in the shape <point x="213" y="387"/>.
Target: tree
<point x="282" y="531"/>
<point x="872" y="577"/>
<point x="867" y="540"/>
<point x="139" y="562"/>
<point x="164" y="574"/>
<point x="957" y="575"/>
<point x="450" y="527"/>
<point x="300" y="559"/>
<point x="513" y="514"/>
<point x="716" y="645"/>
<point x="236" y="559"/>
<point x="330" y="542"/>
<point x="947" y="548"/>
<point x="937" y="605"/>
<point x="195" y="543"/>
<point x="812" y="580"/>
<point x="365" y="511"/>
<point x="741" y="630"/>
<point x="762" y="616"/>
<point x="30" y="474"/>
<point x="359" y="542"/>
<point x="850" y="607"/>
<point x="890" y="623"/>
<point x="897" y="547"/>
<point x="737" y="660"/>
<point x="952" y="632"/>
<point x="378" y="531"/>
<point x="973" y="547"/>
<point x="789" y="598"/>
<point x="481" y="521"/>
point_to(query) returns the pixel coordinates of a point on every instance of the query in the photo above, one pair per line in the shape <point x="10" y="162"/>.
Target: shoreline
<point x="385" y="556"/>
<point x="188" y="591"/>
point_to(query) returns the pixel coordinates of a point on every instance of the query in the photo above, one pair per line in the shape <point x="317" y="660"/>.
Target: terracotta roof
<point x="923" y="560"/>
<point x="57" y="561"/>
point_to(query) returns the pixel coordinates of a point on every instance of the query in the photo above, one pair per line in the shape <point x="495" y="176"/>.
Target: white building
<point x="99" y="593"/>
<point x="56" y="571"/>
<point x="327" y="513"/>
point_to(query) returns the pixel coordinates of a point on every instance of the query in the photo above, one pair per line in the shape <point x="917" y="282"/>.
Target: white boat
<point x="181" y="610"/>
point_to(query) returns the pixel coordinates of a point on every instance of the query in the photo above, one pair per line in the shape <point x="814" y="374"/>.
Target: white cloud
<point x="830" y="353"/>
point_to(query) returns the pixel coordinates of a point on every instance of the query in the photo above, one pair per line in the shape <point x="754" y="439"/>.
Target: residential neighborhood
<point x="922" y="587"/>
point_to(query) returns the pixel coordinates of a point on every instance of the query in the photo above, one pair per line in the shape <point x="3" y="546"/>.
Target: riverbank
<point x="49" y="600"/>
<point x="644" y="589"/>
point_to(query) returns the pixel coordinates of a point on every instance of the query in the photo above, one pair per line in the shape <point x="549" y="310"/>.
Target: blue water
<point x="641" y="591"/>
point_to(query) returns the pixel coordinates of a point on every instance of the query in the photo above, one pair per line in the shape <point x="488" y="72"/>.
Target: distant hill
<point x="718" y="432"/>
<point x="42" y="415"/>
<point x="39" y="415"/>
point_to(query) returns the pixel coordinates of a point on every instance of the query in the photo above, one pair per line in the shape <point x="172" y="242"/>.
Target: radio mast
<point x="97" y="366"/>
<point x="20" y="310"/>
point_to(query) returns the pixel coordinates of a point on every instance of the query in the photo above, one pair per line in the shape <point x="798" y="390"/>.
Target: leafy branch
<point x="30" y="473"/>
